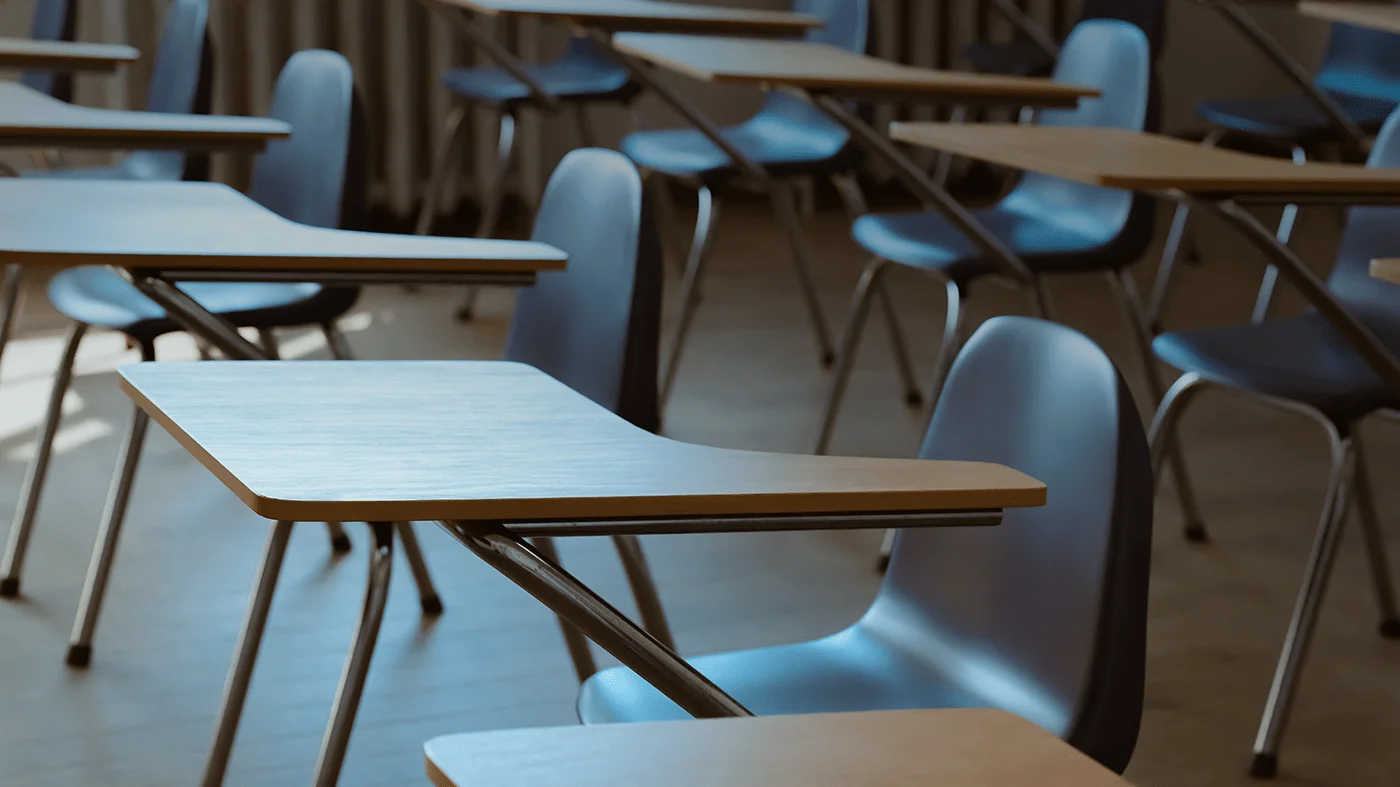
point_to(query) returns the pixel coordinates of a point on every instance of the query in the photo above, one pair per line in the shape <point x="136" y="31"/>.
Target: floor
<point x="142" y="714"/>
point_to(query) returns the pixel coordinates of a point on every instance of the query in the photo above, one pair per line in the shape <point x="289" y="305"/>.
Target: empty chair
<point x="789" y="138"/>
<point x="1308" y="365"/>
<point x="315" y="177"/>
<point x="1044" y="615"/>
<point x="54" y="20"/>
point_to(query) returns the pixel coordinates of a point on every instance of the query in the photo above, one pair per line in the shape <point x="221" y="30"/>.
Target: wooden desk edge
<point x="775" y="24"/>
<point x="1387" y="269"/>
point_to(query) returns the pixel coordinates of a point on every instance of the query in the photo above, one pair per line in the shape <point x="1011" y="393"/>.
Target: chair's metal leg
<point x="1176" y="238"/>
<point x="785" y="205"/>
<point x="267" y="340"/>
<point x="599" y="620"/>
<point x="667" y="220"/>
<point x="586" y="137"/>
<point x="445" y="159"/>
<point x="705" y="223"/>
<point x="336" y="342"/>
<point x="105" y="550"/>
<point x="352" y="679"/>
<point x="955" y="324"/>
<point x="944" y="163"/>
<point x="899" y="348"/>
<point x="246" y="655"/>
<point x="882" y="563"/>
<point x="1265" y="298"/>
<point x="643" y="585"/>
<point x="1125" y="288"/>
<point x="1162" y="433"/>
<point x="1041" y="302"/>
<point x="856" y="318"/>
<point x="848" y="187"/>
<point x="427" y="594"/>
<point x="574" y="640"/>
<point x="1305" y="610"/>
<point x="32" y="489"/>
<point x="11" y="293"/>
<point x="1375" y="542"/>
<point x="494" y="196"/>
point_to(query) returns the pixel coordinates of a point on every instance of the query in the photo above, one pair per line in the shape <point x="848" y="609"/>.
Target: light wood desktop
<point x="1386" y="270"/>
<point x="1378" y="15"/>
<point x="29" y="118"/>
<point x="209" y="226"/>
<point x="948" y="748"/>
<point x="63" y="55"/>
<point x="649" y="15"/>
<point x="491" y="441"/>
<point x="825" y="68"/>
<point x="1141" y="161"/>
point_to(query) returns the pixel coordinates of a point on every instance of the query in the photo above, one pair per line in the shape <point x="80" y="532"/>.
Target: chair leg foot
<point x="9" y="587"/>
<point x="828" y="358"/>
<point x="79" y="655"/>
<point x="1196" y="533"/>
<point x="432" y="605"/>
<point x="340" y="544"/>
<point x="1390" y="629"/>
<point x="1264" y="766"/>
<point x="882" y="564"/>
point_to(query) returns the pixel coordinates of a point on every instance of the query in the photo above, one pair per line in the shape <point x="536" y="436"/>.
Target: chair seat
<point x="1293" y="118"/>
<point x="141" y="165"/>
<point x="929" y="241"/>
<point x="1301" y="358"/>
<point x="1017" y="58"/>
<point x="781" y="146"/>
<point x="849" y="671"/>
<point x="99" y="297"/>
<point x="574" y="77"/>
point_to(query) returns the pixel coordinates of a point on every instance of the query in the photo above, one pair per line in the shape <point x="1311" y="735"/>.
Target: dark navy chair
<point x="1044" y="616"/>
<point x="788" y="137"/>
<point x="595" y="327"/>
<point x="1055" y="226"/>
<point x="182" y="82"/>
<point x="54" y="20"/>
<point x="1306" y="365"/>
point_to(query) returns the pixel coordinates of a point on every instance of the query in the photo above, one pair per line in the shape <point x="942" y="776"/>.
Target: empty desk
<point x="63" y="55"/>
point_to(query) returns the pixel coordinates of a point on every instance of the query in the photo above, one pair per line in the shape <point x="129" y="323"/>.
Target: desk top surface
<point x="1142" y="161"/>
<point x="65" y="55"/>
<point x="949" y="748"/>
<point x="822" y="67"/>
<point x="1380" y="16"/>
<point x="28" y="117"/>
<point x="494" y="441"/>
<point x="651" y="15"/>
<point x="209" y="226"/>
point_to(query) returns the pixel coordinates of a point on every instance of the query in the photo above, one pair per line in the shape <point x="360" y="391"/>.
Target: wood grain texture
<point x="649" y="15"/>
<point x="948" y="748"/>
<point x="828" y="68"/>
<point x="208" y="226"/>
<point x="1380" y="16"/>
<point x="64" y="55"/>
<point x="30" y="118"/>
<point x="429" y="440"/>
<point x="1141" y="161"/>
<point x="1386" y="270"/>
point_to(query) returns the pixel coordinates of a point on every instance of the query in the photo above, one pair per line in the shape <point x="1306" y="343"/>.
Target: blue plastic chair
<point x="181" y="82"/>
<point x="789" y="138"/>
<point x="1053" y="225"/>
<point x="1044" y="616"/>
<point x="1309" y="366"/>
<point x="54" y="20"/>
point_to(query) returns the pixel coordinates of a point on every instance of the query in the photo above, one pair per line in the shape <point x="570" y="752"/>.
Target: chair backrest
<point x="847" y="24"/>
<point x="595" y="326"/>
<point x="1370" y="232"/>
<point x="1150" y="16"/>
<point x="1111" y="55"/>
<point x="54" y="20"/>
<point x="182" y="80"/>
<point x="317" y="175"/>
<point x="1044" y="615"/>
<point x="1361" y="61"/>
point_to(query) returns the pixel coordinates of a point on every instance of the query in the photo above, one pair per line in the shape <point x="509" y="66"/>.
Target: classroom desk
<point x="63" y="55"/>
<point x="29" y="118"/>
<point x="498" y="452"/>
<point x="903" y="748"/>
<point x="1377" y="15"/>
<point x="1386" y="270"/>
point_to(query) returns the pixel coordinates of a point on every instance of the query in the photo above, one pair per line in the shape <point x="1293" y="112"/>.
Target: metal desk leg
<point x="11" y="295"/>
<point x="576" y="603"/>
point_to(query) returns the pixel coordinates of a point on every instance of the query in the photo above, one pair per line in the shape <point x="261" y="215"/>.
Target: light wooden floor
<point x="143" y="713"/>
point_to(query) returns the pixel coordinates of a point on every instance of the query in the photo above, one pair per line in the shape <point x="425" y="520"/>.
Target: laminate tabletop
<point x="650" y="16"/>
<point x="1142" y="161"/>
<point x="503" y="442"/>
<point x="1386" y="270"/>
<point x="209" y="226"/>
<point x="903" y="748"/>
<point x="30" y="118"/>
<point x="1379" y="16"/>
<point x="63" y="55"/>
<point x="822" y="67"/>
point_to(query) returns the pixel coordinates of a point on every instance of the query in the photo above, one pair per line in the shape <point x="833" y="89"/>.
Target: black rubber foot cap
<point x="1390" y="629"/>
<point x="341" y="544"/>
<point x="432" y="605"/>
<point x="914" y="399"/>
<point x="79" y="655"/>
<point x="465" y="314"/>
<point x="882" y="564"/>
<point x="1196" y="533"/>
<point x="828" y="359"/>
<point x="9" y="587"/>
<point x="1264" y="766"/>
